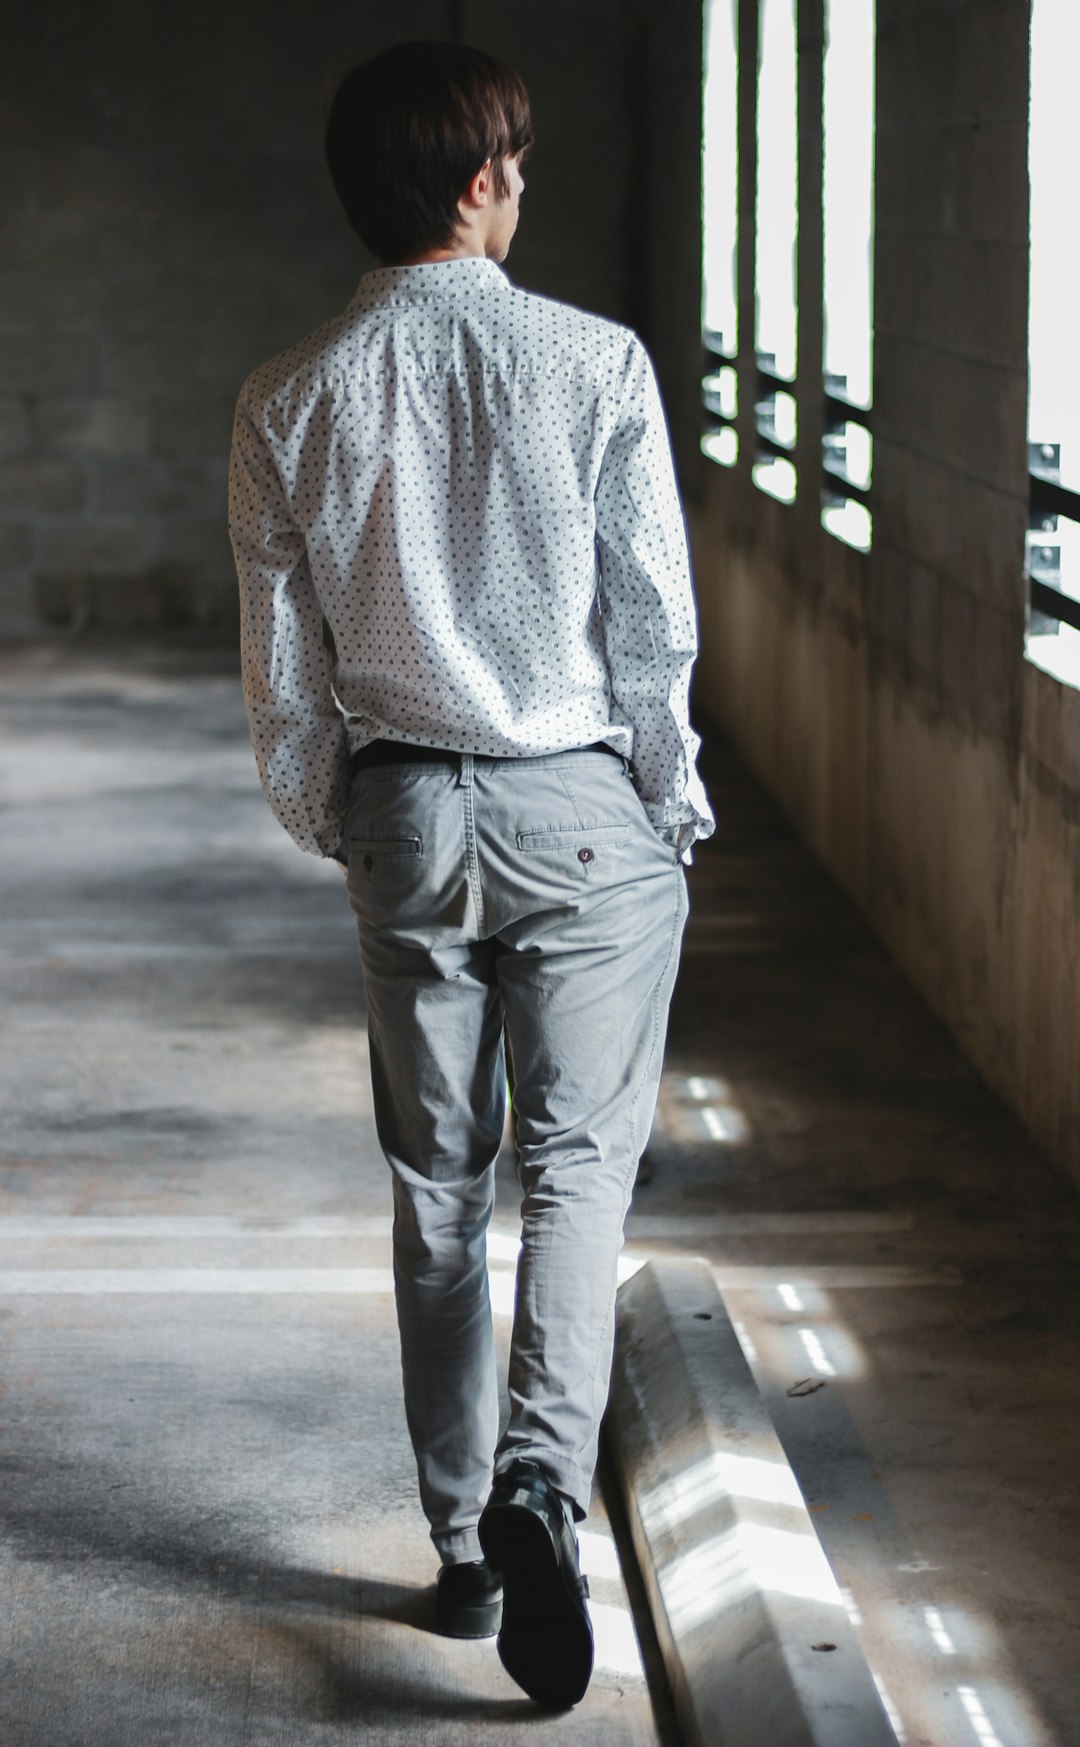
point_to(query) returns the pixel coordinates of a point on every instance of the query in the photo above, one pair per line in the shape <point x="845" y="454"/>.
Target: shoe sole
<point x="546" y="1642"/>
<point x="469" y="1622"/>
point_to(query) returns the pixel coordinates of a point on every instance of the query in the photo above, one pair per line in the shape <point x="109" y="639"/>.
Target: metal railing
<point x="1048" y="499"/>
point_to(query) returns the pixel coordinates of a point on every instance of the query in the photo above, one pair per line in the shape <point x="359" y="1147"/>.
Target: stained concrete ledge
<point x="754" y="1634"/>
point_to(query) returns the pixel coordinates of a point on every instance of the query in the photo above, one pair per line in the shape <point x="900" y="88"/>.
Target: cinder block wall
<point x="166" y="224"/>
<point x="886" y="699"/>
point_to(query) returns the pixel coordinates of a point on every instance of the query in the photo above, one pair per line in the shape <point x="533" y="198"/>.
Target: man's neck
<point x="440" y="255"/>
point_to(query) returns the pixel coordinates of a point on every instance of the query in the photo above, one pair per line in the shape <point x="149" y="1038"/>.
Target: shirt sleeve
<point x="647" y="608"/>
<point x="296" y="726"/>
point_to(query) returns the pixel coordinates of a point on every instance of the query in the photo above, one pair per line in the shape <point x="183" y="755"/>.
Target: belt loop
<point x="465" y="773"/>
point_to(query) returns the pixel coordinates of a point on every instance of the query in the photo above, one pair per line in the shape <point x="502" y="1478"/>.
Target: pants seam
<point x="472" y="863"/>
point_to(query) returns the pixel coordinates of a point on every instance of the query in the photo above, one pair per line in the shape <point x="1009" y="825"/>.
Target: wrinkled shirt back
<point x="473" y="486"/>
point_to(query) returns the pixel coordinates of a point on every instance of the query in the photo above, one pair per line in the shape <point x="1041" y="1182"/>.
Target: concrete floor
<point x="211" y="1533"/>
<point x="210" y="1529"/>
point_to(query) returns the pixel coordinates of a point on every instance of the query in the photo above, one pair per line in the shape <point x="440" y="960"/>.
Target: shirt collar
<point x="461" y="277"/>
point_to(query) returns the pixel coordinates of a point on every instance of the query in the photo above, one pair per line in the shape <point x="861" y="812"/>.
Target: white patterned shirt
<point x="473" y="486"/>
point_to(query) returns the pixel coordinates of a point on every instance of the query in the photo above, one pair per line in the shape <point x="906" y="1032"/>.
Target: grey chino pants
<point x="530" y="894"/>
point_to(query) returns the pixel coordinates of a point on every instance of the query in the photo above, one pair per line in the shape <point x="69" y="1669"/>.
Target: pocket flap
<point x="558" y="839"/>
<point x="396" y="846"/>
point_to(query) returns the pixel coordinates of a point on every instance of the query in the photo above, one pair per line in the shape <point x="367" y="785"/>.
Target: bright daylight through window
<point x="848" y="208"/>
<point x="776" y="234"/>
<point x="1053" y="553"/>
<point x="720" y="226"/>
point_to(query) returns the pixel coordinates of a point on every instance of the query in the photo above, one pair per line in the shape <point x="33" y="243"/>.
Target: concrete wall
<point x="886" y="699"/>
<point x="167" y="223"/>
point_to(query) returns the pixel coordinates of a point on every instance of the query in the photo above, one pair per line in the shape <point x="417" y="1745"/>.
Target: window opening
<point x="776" y="244"/>
<point x="848" y="124"/>
<point x="777" y="212"/>
<point x="720" y="226"/>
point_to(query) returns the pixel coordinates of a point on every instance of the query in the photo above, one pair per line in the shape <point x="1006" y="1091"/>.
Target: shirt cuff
<point x="681" y="838"/>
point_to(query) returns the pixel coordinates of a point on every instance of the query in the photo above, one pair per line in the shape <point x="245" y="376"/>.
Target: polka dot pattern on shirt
<point x="473" y="485"/>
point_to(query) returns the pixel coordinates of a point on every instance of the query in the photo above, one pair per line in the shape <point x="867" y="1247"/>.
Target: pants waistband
<point x="378" y="752"/>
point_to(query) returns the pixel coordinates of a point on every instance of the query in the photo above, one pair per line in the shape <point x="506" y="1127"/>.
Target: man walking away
<point x="473" y="486"/>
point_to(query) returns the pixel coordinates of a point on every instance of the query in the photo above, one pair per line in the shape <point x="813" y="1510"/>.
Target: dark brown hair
<point x="407" y="132"/>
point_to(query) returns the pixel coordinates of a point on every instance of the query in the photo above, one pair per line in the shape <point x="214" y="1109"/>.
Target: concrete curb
<point x="742" y="1596"/>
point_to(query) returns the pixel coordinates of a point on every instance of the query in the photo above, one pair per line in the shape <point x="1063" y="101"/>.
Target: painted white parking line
<point x="249" y="1281"/>
<point x="638" y="1226"/>
<point x="188" y="1226"/>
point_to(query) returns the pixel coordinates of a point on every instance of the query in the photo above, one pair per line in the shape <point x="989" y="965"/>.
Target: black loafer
<point x="546" y="1640"/>
<point x="468" y="1601"/>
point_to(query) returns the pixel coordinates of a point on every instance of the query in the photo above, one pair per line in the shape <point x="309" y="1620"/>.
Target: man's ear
<point x="478" y="191"/>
